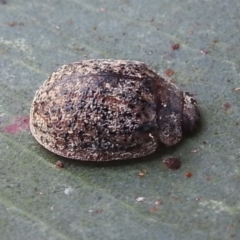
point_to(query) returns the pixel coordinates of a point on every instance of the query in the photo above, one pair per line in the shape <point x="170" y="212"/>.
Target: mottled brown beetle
<point x="102" y="110"/>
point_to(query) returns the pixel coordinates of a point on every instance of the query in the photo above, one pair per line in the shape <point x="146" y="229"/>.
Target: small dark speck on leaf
<point x="169" y="72"/>
<point x="99" y="211"/>
<point x="226" y="105"/>
<point x="188" y="174"/>
<point x="79" y="49"/>
<point x="3" y="1"/>
<point x="175" y="46"/>
<point x="14" y="23"/>
<point x="172" y="163"/>
<point x="197" y="198"/>
<point x="59" y="164"/>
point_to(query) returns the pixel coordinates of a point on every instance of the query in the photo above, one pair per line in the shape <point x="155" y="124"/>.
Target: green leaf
<point x="102" y="201"/>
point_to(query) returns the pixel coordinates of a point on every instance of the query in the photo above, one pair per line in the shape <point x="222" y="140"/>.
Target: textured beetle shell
<point x="100" y="110"/>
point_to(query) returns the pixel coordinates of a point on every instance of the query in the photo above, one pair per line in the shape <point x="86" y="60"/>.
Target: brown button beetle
<point x="101" y="110"/>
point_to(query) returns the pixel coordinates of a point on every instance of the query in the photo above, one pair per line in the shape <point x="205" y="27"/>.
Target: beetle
<point x="104" y="109"/>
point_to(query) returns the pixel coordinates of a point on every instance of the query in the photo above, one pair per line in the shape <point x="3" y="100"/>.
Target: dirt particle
<point x="169" y="72"/>
<point x="3" y="2"/>
<point x="197" y="198"/>
<point x="59" y="164"/>
<point x="226" y="105"/>
<point x="68" y="191"/>
<point x="188" y="174"/>
<point x="98" y="211"/>
<point x="79" y="49"/>
<point x="195" y="150"/>
<point x="204" y="52"/>
<point x="175" y="46"/>
<point x="12" y="24"/>
<point x="158" y="202"/>
<point x="172" y="163"/>
<point x="140" y="199"/>
<point x="142" y="173"/>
